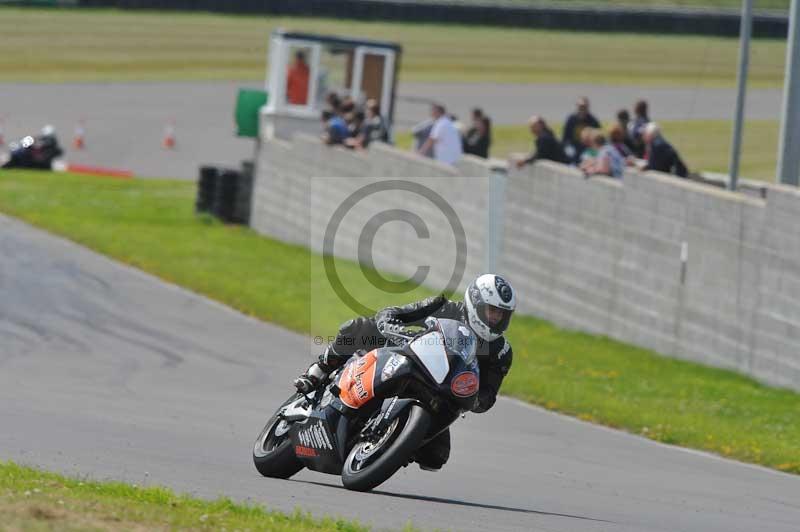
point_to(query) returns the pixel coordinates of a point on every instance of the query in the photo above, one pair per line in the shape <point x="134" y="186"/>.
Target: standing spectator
<point x="334" y="128"/>
<point x="374" y="128"/>
<point x="547" y="146"/>
<point x="575" y="124"/>
<point x="608" y="160"/>
<point x="636" y="128"/>
<point x="297" y="80"/>
<point x="444" y="138"/>
<point x="478" y="137"/>
<point x="661" y="156"/>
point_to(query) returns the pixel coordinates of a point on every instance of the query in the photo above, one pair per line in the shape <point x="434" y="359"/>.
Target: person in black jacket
<point x="575" y="124"/>
<point x="488" y="305"/>
<point x="478" y="138"/>
<point x="547" y="146"/>
<point x="661" y="156"/>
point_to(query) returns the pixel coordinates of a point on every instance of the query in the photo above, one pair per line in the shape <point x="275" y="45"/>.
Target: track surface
<point x="107" y="372"/>
<point x="125" y="122"/>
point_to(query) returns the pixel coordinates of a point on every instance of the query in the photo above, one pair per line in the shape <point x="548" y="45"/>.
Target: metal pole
<point x="741" y="90"/>
<point x="789" y="150"/>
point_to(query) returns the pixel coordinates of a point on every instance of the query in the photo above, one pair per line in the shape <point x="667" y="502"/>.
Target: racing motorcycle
<point x="372" y="415"/>
<point x="33" y="152"/>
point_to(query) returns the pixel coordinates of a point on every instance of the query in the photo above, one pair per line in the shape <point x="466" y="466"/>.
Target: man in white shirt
<point x="444" y="138"/>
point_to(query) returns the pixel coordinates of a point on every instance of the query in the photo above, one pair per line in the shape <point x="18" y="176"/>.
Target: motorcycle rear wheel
<point x="369" y="464"/>
<point x="273" y="454"/>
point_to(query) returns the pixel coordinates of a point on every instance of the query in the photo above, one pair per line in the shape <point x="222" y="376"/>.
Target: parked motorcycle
<point x="34" y="152"/>
<point x="376" y="412"/>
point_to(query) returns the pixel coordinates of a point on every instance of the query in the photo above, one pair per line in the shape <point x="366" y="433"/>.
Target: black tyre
<point x="369" y="464"/>
<point x="273" y="455"/>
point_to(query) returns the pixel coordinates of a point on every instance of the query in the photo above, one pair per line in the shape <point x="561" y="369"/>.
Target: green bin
<point x="248" y="104"/>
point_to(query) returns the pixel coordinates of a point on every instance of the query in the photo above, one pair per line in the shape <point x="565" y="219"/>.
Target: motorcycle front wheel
<point x="370" y="463"/>
<point x="273" y="454"/>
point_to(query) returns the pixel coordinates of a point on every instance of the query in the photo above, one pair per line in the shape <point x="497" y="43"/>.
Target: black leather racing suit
<point x="494" y="358"/>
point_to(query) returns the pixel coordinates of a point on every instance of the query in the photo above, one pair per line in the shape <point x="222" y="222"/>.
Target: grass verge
<point x="113" y="45"/>
<point x="33" y="500"/>
<point x="151" y="225"/>
<point x="703" y="144"/>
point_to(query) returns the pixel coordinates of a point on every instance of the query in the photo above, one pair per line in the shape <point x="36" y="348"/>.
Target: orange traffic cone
<point x="79" y="140"/>
<point x="169" y="136"/>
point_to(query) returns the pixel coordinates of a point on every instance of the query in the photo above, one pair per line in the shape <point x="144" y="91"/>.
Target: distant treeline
<point x="604" y="17"/>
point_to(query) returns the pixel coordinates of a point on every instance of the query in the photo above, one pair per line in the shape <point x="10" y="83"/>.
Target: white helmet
<point x="489" y="290"/>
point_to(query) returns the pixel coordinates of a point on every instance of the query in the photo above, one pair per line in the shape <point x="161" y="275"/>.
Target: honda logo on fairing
<point x="315" y="437"/>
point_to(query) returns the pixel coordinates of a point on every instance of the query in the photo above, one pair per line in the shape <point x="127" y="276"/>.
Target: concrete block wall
<point x="597" y="255"/>
<point x="301" y="183"/>
<point x="604" y="256"/>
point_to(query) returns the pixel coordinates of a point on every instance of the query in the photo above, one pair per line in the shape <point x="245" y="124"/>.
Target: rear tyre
<point x="273" y="455"/>
<point x="369" y="464"/>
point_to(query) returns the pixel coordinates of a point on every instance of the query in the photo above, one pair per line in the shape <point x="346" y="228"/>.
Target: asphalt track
<point x="125" y="122"/>
<point x="110" y="373"/>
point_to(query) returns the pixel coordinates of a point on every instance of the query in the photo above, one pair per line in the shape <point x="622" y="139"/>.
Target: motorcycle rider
<point x="489" y="302"/>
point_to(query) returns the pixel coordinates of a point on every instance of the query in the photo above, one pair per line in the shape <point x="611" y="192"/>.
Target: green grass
<point x="703" y="144"/>
<point x="32" y="500"/>
<point x="707" y="4"/>
<point x="150" y="224"/>
<point x="108" y="45"/>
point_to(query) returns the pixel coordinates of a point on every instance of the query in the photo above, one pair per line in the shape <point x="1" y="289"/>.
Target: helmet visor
<point x="495" y="317"/>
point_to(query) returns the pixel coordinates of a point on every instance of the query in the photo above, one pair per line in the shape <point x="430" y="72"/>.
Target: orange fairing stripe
<point x="355" y="384"/>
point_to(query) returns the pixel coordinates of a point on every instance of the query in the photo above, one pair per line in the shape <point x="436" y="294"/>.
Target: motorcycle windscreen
<point x="356" y="384"/>
<point x="430" y="350"/>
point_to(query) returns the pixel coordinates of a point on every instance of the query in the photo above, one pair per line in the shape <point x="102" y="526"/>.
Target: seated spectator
<point x="623" y="121"/>
<point x="334" y="128"/>
<point x="333" y="102"/>
<point x="478" y="138"/>
<point x="444" y="138"/>
<point x="608" y="160"/>
<point x="355" y="122"/>
<point x="576" y="122"/>
<point x="373" y="129"/>
<point x="617" y="136"/>
<point x="587" y="141"/>
<point x="661" y="156"/>
<point x="636" y="128"/>
<point x="547" y="147"/>
<point x="297" y="80"/>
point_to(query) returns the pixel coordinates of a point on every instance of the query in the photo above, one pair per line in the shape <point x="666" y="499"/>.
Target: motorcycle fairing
<point x="317" y="440"/>
<point x="356" y="383"/>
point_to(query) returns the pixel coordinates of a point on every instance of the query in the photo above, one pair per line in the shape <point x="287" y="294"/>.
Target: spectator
<point x="547" y="147"/>
<point x="374" y="128"/>
<point x="636" y="128"/>
<point x="297" y="80"/>
<point x="478" y="137"/>
<point x="334" y="128"/>
<point x="421" y="132"/>
<point x="617" y="135"/>
<point x="444" y="138"/>
<point x="355" y="123"/>
<point x="587" y="141"/>
<point x="661" y="156"/>
<point x="623" y="121"/>
<point x="333" y="102"/>
<point x="575" y="124"/>
<point x="608" y="160"/>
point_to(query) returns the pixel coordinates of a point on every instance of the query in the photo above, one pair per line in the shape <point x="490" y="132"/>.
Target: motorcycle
<point x="375" y="413"/>
<point x="32" y="152"/>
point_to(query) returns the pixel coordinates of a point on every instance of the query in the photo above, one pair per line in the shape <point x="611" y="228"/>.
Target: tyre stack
<point x="206" y="189"/>
<point x="225" y="193"/>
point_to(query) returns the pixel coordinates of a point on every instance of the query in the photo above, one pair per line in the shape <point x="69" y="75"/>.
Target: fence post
<point x="495" y="216"/>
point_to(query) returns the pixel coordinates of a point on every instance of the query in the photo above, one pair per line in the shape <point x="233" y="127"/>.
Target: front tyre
<point x="370" y="463"/>
<point x="273" y="455"/>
